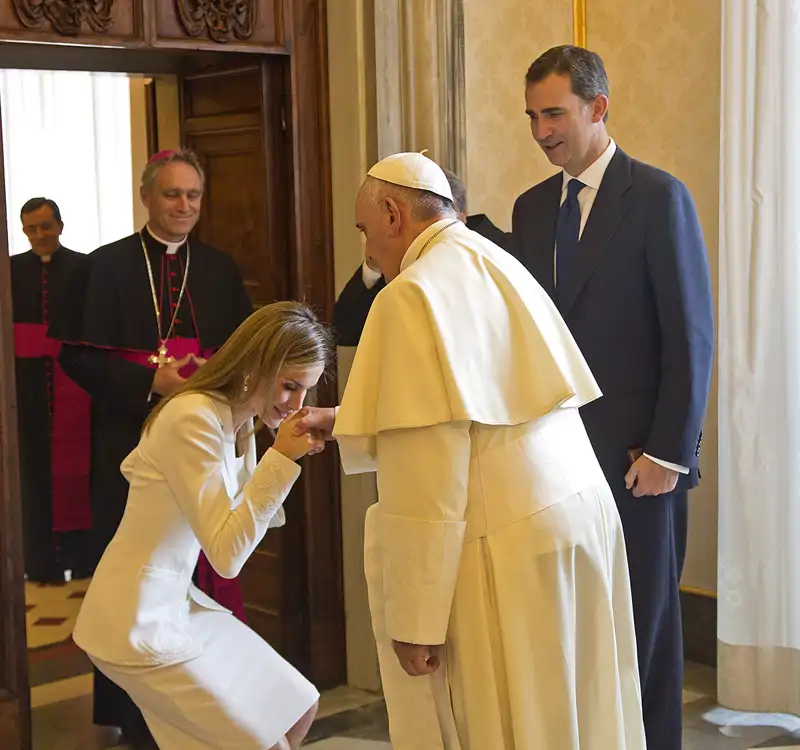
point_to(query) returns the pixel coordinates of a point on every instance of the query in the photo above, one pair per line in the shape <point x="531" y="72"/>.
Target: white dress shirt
<point x="592" y="177"/>
<point x="368" y="276"/>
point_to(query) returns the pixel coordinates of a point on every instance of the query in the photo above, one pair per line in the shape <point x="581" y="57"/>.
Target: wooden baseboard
<point x="699" y="610"/>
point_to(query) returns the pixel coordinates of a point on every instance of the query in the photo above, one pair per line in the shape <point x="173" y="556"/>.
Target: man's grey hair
<point x="162" y="159"/>
<point x="423" y="204"/>
<point x="458" y="189"/>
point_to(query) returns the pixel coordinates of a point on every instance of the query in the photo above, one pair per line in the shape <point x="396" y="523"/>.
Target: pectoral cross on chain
<point x="161" y="358"/>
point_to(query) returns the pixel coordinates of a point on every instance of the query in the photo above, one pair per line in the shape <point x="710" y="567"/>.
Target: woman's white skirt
<point x="239" y="694"/>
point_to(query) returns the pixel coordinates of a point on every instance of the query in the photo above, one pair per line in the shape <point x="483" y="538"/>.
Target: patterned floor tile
<point x="49" y="621"/>
<point x="51" y="611"/>
<point x="62" y="690"/>
<point x="57" y="662"/>
<point x="344" y="698"/>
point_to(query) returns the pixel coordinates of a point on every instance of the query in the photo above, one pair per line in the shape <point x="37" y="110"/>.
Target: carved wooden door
<point x="233" y="120"/>
<point x="14" y="695"/>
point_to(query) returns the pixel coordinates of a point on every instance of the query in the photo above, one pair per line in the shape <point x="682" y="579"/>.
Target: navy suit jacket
<point x="640" y="307"/>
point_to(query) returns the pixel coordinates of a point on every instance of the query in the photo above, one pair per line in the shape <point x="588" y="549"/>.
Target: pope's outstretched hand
<point x="317" y="421"/>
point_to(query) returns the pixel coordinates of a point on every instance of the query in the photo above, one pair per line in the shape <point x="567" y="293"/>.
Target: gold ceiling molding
<point x="579" y="22"/>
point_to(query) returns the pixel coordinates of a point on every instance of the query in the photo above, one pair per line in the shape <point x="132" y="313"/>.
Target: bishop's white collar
<point x="172" y="247"/>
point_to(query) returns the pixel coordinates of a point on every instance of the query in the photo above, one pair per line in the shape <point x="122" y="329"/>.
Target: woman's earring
<point x="246" y="383"/>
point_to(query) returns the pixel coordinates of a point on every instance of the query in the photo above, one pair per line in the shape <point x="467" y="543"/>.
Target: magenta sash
<point x="70" y="432"/>
<point x="227" y="592"/>
<point x="177" y="348"/>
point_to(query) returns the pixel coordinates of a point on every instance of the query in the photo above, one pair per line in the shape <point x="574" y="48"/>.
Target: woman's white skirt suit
<point x="201" y="678"/>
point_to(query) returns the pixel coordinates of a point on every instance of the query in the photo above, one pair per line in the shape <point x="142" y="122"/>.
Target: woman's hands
<point x="294" y="445"/>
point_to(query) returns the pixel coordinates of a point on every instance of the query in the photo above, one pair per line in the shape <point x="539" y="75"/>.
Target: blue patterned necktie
<point x="568" y="231"/>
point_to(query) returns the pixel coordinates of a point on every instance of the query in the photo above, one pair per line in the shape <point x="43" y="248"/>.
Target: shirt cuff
<point x="368" y="276"/>
<point x="668" y="465"/>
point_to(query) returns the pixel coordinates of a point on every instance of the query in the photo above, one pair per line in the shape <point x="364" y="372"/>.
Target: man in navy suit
<point x="618" y="246"/>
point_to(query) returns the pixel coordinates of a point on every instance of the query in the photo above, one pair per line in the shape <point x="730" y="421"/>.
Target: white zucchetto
<point x="413" y="170"/>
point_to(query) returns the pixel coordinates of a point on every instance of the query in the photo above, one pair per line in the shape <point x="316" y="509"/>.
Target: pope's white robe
<point x="495" y="534"/>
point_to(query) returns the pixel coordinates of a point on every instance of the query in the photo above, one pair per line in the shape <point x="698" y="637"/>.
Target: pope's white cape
<point x="495" y="534"/>
<point x="463" y="333"/>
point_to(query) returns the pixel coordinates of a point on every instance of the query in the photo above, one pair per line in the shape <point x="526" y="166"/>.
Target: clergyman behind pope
<point x="495" y="561"/>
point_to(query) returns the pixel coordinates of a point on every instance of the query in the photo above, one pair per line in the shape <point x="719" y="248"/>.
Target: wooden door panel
<point x="247" y="24"/>
<point x="238" y="223"/>
<point x="225" y="93"/>
<point x="233" y="121"/>
<point x="227" y="119"/>
<point x="263" y="591"/>
<point x="46" y="22"/>
<point x="261" y="132"/>
<point x="14" y="695"/>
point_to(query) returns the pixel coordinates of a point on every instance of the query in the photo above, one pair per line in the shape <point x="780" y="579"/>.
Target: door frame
<point x="15" y="722"/>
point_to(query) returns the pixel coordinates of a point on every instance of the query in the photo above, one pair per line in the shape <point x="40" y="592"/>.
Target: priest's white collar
<point x="48" y="258"/>
<point x="172" y="247"/>
<point x="416" y="247"/>
<point x="592" y="176"/>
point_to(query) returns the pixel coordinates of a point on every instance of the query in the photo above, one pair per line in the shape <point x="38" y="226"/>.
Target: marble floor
<point x="51" y="610"/>
<point x="60" y="676"/>
<point x="355" y="720"/>
<point x="348" y="719"/>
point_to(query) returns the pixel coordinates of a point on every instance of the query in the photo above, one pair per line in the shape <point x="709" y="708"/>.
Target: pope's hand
<point x="416" y="661"/>
<point x="316" y="421"/>
<point x="168" y="378"/>
<point x="294" y="445"/>
<point x="647" y="478"/>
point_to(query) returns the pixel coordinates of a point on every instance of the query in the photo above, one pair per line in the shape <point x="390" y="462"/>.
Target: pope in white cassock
<point x="495" y="560"/>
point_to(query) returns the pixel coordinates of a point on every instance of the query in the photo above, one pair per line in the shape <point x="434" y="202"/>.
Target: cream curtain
<point x="67" y="136"/>
<point x="759" y="358"/>
<point x="419" y="52"/>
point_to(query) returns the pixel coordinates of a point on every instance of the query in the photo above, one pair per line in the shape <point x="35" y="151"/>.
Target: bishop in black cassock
<point x="53" y="424"/>
<point x="52" y="411"/>
<point x="112" y="340"/>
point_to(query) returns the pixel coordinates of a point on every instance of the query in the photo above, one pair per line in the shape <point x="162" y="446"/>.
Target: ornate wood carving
<point x="222" y="19"/>
<point x="66" y="16"/>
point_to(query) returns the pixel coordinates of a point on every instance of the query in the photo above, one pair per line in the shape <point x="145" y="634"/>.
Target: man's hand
<point x="316" y="421"/>
<point x="198" y="360"/>
<point x="295" y="446"/>
<point x="168" y="378"/>
<point x="647" y="478"/>
<point x="416" y="661"/>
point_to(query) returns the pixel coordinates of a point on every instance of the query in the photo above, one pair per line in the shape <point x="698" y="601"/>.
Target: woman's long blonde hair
<point x="282" y="335"/>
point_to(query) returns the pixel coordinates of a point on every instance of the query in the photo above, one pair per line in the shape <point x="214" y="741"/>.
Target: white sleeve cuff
<point x="668" y="465"/>
<point x="368" y="276"/>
